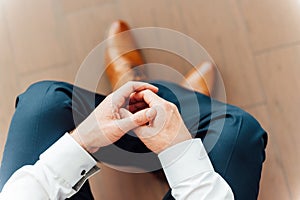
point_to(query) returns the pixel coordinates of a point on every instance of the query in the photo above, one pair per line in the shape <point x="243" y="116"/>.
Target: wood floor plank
<point x="56" y="74"/>
<point x="33" y="32"/>
<point x="87" y="29"/>
<point x="8" y="80"/>
<point x="279" y="69"/>
<point x="253" y="42"/>
<point x="73" y="6"/>
<point x="273" y="172"/>
<point x="271" y="23"/>
<point x="217" y="26"/>
<point x="128" y="185"/>
<point x="148" y="13"/>
<point x="167" y="16"/>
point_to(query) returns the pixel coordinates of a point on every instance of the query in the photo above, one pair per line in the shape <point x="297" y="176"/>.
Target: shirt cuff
<point x="185" y="160"/>
<point x="69" y="161"/>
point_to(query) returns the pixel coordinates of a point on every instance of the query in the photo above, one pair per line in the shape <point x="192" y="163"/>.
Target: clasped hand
<point x="134" y="106"/>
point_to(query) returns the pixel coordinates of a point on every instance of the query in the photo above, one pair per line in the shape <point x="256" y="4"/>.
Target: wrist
<point x="184" y="135"/>
<point x="75" y="135"/>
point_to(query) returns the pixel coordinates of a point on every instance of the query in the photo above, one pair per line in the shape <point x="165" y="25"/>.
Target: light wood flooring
<point x="256" y="44"/>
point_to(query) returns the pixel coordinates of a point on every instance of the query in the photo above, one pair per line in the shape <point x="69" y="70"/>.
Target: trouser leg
<point x="233" y="138"/>
<point x="43" y="114"/>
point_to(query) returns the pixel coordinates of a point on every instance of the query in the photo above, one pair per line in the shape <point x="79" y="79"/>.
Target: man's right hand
<point x="167" y="128"/>
<point x="104" y="125"/>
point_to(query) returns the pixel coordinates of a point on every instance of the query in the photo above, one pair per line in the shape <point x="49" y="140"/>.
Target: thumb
<point x="131" y="121"/>
<point x="124" y="113"/>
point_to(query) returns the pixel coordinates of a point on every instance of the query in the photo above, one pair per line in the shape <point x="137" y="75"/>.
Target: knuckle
<point x="147" y="91"/>
<point x="168" y="105"/>
<point x="173" y="106"/>
<point x="128" y="84"/>
<point x="138" y="119"/>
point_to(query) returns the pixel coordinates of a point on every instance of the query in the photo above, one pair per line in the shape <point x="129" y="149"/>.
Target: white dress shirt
<point x="65" y="166"/>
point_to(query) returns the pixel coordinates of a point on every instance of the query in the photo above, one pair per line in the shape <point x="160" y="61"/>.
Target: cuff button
<point x="83" y="172"/>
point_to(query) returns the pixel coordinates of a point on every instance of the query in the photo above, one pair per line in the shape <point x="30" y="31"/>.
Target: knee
<point x="43" y="96"/>
<point x="250" y="137"/>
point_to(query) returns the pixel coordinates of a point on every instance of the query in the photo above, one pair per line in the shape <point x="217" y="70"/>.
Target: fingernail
<point x="151" y="113"/>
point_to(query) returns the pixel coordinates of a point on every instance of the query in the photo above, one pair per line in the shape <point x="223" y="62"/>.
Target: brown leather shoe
<point x="201" y="78"/>
<point x="122" y="57"/>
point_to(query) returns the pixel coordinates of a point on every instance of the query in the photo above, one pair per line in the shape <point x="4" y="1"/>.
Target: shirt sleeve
<point x="58" y="174"/>
<point x="190" y="173"/>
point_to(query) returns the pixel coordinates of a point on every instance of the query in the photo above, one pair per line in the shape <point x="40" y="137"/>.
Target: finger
<point x="124" y="113"/>
<point x="135" y="98"/>
<point x="149" y="97"/>
<point x="144" y="116"/>
<point x="120" y="95"/>
<point x="132" y="121"/>
<point x="145" y="86"/>
<point x="133" y="108"/>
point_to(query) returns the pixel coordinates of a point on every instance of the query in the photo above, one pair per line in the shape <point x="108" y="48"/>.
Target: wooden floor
<point x="256" y="44"/>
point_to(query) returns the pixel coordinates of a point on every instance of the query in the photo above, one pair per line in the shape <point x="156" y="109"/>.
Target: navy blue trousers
<point x="46" y="110"/>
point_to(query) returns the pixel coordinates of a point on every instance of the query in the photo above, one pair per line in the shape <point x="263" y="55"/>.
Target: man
<point x="45" y="112"/>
